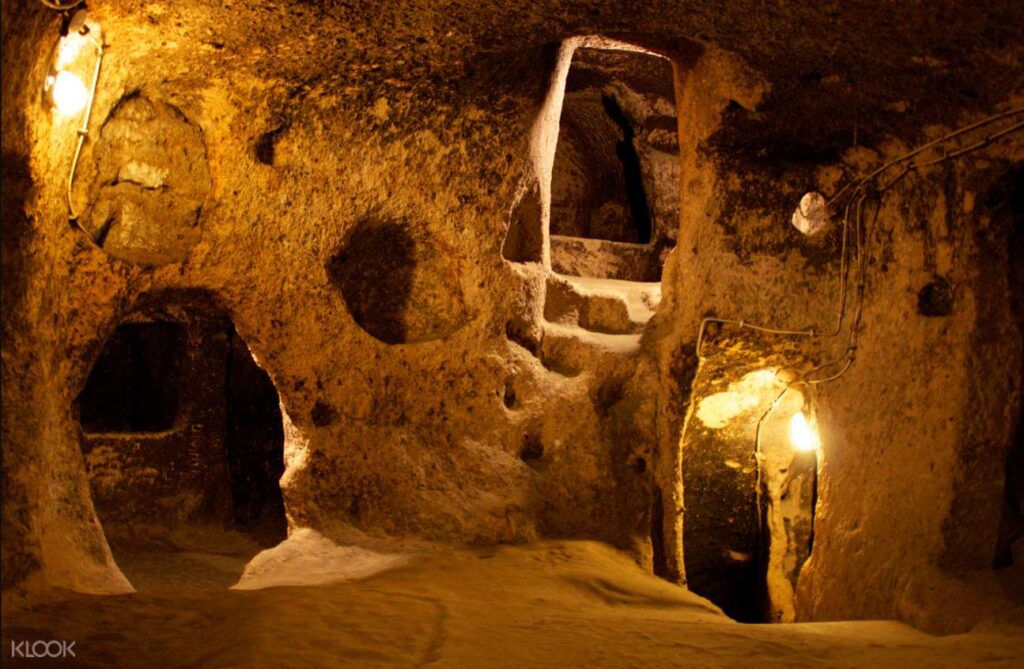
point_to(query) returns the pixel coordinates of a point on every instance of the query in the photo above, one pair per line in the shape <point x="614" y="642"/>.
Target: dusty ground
<point x="568" y="604"/>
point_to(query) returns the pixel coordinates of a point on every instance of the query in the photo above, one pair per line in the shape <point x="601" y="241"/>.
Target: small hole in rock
<point x="266" y="144"/>
<point x="532" y="449"/>
<point x="936" y="298"/>
<point x="509" y="397"/>
<point x="323" y="414"/>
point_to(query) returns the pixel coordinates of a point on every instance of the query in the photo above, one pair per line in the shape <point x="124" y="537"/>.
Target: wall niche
<point x="150" y="178"/>
<point x="400" y="282"/>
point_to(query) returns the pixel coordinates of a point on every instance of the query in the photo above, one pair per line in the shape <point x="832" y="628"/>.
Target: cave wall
<point x="914" y="442"/>
<point x="922" y="460"/>
<point x="394" y="371"/>
<point x="434" y="417"/>
<point x="50" y="532"/>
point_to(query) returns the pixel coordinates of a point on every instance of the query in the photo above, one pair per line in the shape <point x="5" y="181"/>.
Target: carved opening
<point x="1010" y="545"/>
<point x="183" y="442"/>
<point x="598" y="186"/>
<point x="615" y="178"/>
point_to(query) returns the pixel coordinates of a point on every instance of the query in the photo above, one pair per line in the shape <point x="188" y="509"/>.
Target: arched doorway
<point x="183" y="444"/>
<point x="615" y="177"/>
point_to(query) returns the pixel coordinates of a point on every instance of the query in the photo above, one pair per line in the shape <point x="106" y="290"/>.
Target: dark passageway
<point x="183" y="439"/>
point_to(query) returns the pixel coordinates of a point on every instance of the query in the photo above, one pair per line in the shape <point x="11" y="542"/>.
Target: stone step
<point x="569" y="349"/>
<point x="608" y="306"/>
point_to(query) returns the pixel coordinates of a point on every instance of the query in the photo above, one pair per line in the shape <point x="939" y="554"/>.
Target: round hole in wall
<point x="532" y="448"/>
<point x="509" y="396"/>
<point x="400" y="281"/>
<point x="936" y="298"/>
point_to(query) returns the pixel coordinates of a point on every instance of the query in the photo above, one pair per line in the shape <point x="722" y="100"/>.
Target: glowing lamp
<point x="65" y="85"/>
<point x="802" y="434"/>
<point x="68" y="93"/>
<point x="811" y="216"/>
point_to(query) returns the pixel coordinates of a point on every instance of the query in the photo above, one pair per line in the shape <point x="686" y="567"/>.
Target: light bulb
<point x="802" y="434"/>
<point x="69" y="93"/>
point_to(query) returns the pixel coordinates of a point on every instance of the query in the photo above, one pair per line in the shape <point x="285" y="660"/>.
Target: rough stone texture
<point x="789" y="486"/>
<point x="599" y="258"/>
<point x="524" y="241"/>
<point x="149" y="181"/>
<point x="437" y="115"/>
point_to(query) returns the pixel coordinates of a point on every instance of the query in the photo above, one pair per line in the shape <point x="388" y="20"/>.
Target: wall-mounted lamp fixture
<point x="64" y="85"/>
<point x="68" y="93"/>
<point x="811" y="215"/>
<point x="803" y="426"/>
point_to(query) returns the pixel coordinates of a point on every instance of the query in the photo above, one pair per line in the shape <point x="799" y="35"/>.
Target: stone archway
<point x="183" y="442"/>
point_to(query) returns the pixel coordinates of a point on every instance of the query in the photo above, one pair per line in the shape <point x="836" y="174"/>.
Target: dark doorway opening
<point x="615" y="179"/>
<point x="659" y="559"/>
<point x="255" y="443"/>
<point x="184" y="447"/>
<point x="597" y="189"/>
<point x="633" y="180"/>
<point x="1008" y="202"/>
<point x="135" y="382"/>
<point x="616" y="134"/>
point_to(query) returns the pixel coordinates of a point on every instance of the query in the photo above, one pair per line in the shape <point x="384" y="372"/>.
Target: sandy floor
<point x="171" y="564"/>
<point x="573" y="604"/>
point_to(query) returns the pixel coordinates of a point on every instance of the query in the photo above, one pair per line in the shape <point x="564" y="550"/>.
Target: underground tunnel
<point x="615" y="176"/>
<point x="183" y="444"/>
<point x="456" y="334"/>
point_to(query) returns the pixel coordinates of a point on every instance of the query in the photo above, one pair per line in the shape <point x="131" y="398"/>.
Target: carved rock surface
<point x="400" y="282"/>
<point x="151" y="179"/>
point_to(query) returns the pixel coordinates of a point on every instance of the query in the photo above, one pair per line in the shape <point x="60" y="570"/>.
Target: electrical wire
<point x="759" y="486"/>
<point x="924" y="147"/>
<point x="83" y="132"/>
<point x="58" y="6"/>
<point x="863" y="188"/>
